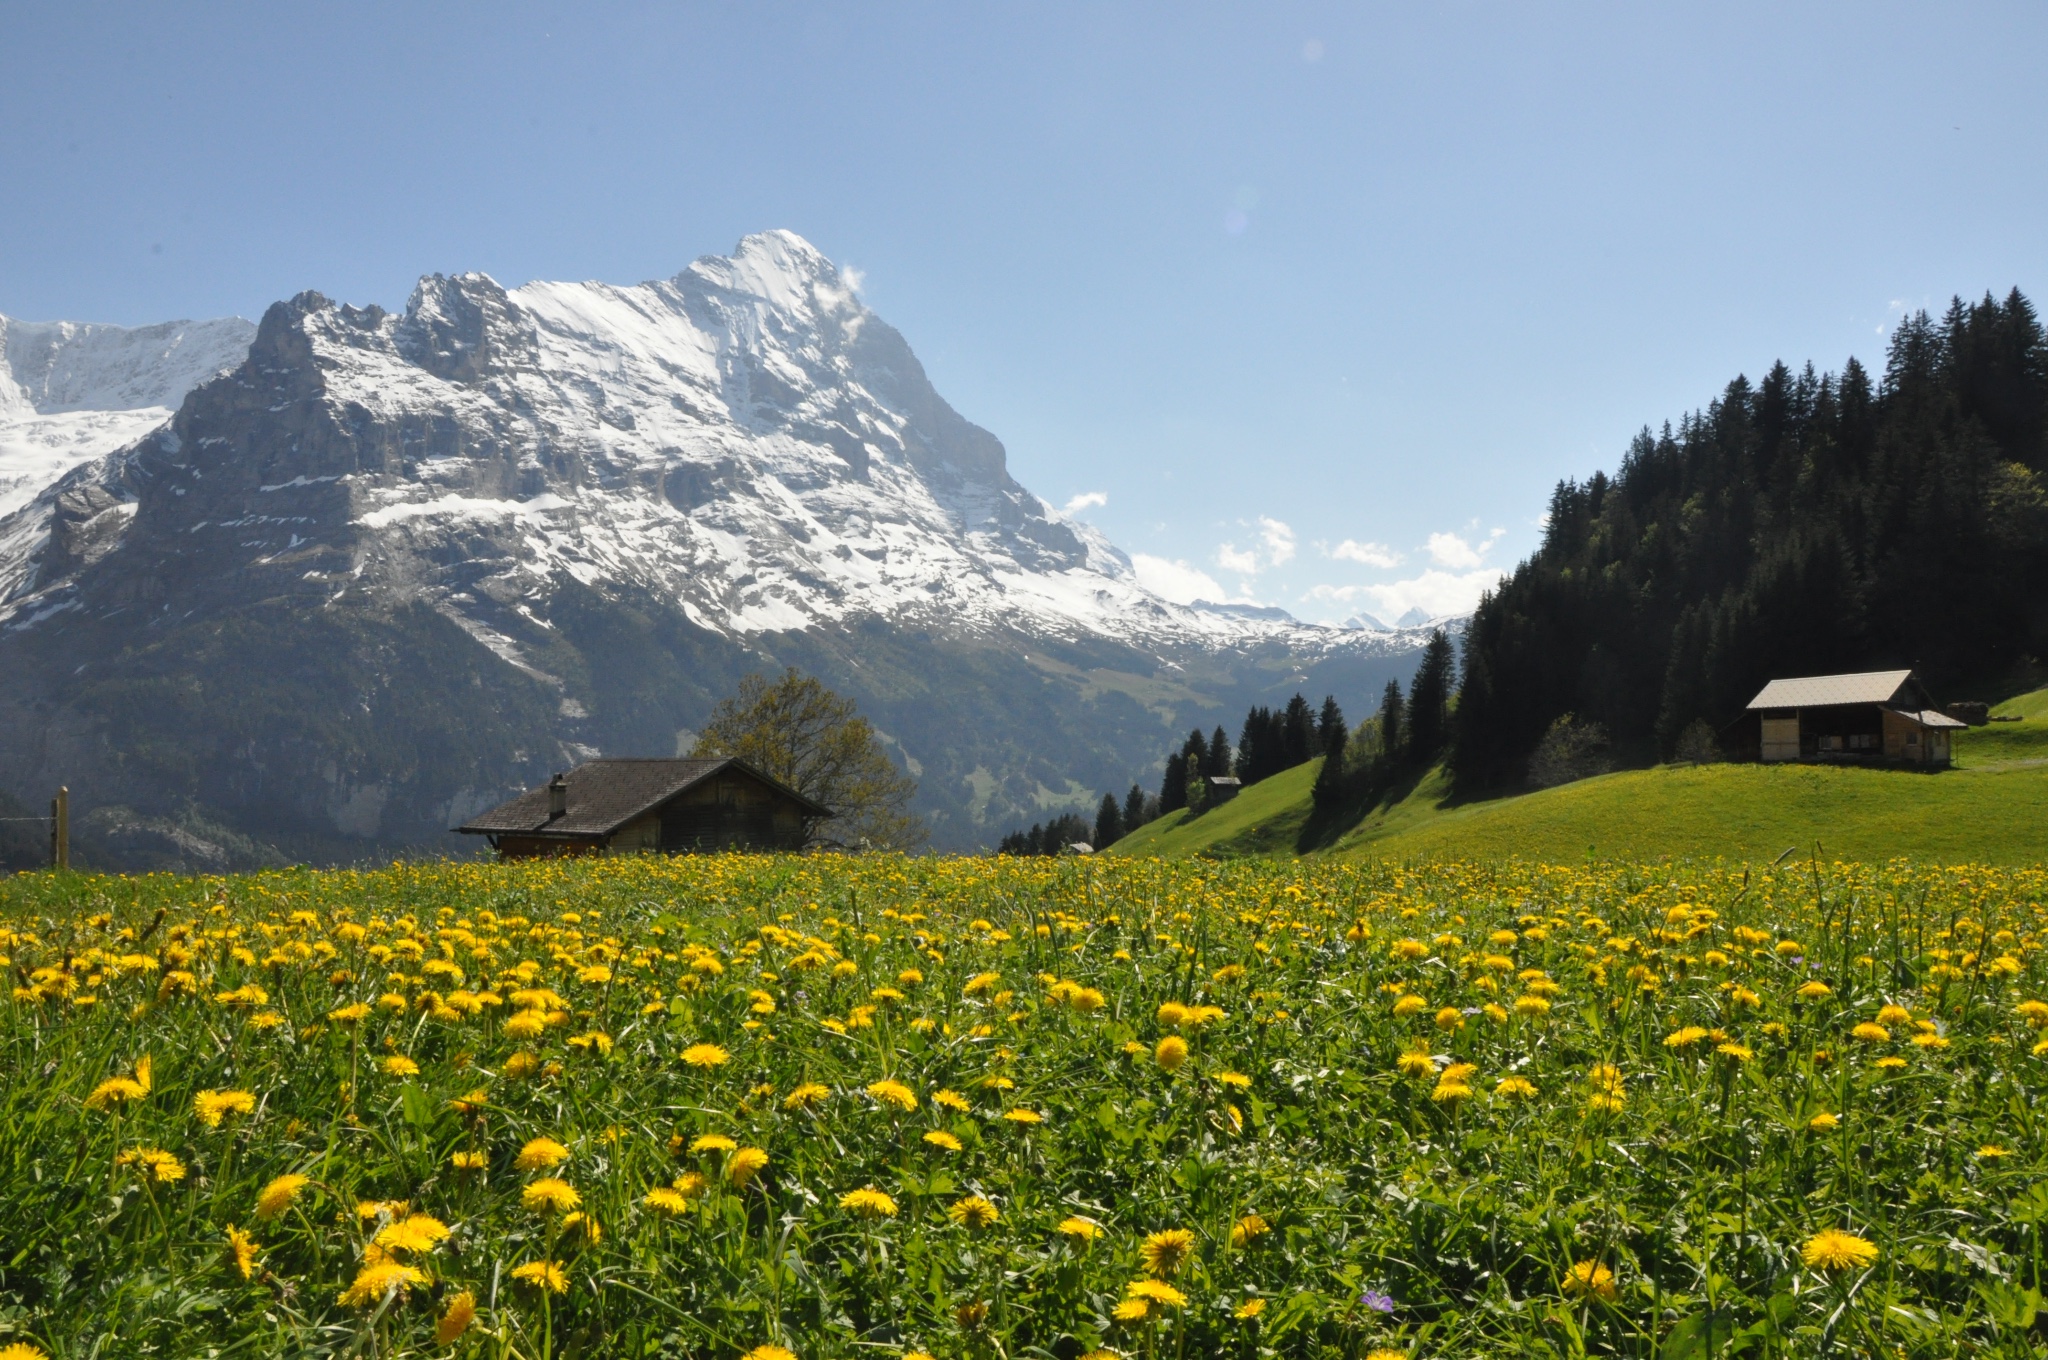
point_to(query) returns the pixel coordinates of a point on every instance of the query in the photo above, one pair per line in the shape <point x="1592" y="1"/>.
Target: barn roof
<point x="1928" y="717"/>
<point x="1823" y="691"/>
<point x="607" y="793"/>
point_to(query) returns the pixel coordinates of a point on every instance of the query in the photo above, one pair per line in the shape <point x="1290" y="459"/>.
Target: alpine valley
<point x="319" y="588"/>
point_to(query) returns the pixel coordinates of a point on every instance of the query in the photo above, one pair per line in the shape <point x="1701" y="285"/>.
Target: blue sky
<point x="1308" y="304"/>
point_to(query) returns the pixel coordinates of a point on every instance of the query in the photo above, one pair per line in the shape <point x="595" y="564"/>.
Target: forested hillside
<point x="1807" y="523"/>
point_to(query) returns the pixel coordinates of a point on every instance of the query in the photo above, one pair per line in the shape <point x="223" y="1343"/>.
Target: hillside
<point x="1992" y="808"/>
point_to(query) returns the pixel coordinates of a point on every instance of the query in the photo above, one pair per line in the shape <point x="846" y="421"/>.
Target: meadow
<point x="769" y="1107"/>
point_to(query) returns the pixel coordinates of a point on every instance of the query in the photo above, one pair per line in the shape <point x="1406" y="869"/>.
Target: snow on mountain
<point x="72" y="393"/>
<point x="746" y="439"/>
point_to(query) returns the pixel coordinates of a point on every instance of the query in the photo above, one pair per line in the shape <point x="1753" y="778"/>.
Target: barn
<point x="626" y="806"/>
<point x="1871" y="718"/>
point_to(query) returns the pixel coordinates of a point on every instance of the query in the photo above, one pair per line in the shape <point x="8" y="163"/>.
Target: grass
<point x="732" y="1107"/>
<point x="1992" y="808"/>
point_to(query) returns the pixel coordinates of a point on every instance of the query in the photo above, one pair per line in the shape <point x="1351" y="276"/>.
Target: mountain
<point x="392" y="568"/>
<point x="1804" y="524"/>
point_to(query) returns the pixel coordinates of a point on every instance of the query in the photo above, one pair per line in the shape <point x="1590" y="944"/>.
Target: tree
<point x="1429" y="700"/>
<point x="1109" y="823"/>
<point x="1330" y="785"/>
<point x="1393" y="724"/>
<point x="1134" y="810"/>
<point x="1570" y="750"/>
<point x="800" y="733"/>
<point x="1218" y="763"/>
<point x="1297" y="727"/>
<point x="1173" y="785"/>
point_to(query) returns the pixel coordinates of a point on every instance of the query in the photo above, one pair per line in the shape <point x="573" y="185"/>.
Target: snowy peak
<point x="57" y="367"/>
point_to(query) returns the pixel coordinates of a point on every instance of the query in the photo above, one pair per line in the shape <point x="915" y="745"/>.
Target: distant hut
<point x="624" y="806"/>
<point x="1872" y="718"/>
<point x="1222" y="788"/>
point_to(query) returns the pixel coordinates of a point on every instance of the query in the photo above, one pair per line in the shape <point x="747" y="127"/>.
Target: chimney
<point x="558" y="797"/>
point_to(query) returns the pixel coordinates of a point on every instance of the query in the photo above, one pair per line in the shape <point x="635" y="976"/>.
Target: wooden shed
<point x="627" y="806"/>
<point x="1871" y="718"/>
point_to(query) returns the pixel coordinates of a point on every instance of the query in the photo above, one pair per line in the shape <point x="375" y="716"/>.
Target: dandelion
<point x="1991" y="1151"/>
<point x="1452" y="1093"/>
<point x="378" y="1279"/>
<point x="952" y="1100"/>
<point x="1871" y="1034"/>
<point x="1824" y="1122"/>
<point x="1684" y="1038"/>
<point x="213" y="1106"/>
<point x="466" y="1161"/>
<point x="692" y="1185"/>
<point x="1588" y="1279"/>
<point x="1450" y="1018"/>
<point x="745" y="1164"/>
<point x="894" y="1094"/>
<point x="1416" y="1062"/>
<point x="550" y="1196"/>
<point x="1813" y="991"/>
<point x="241" y="1252"/>
<point x="666" y="1200"/>
<point x="1249" y="1309"/>
<point x="711" y="1142"/>
<point x="1248" y="1230"/>
<point x="807" y="1096"/>
<point x="419" y="1233"/>
<point x="21" y="1350"/>
<point x="1738" y="1053"/>
<point x="278" y="1195"/>
<point x="121" y="1090"/>
<point x="1165" y="1251"/>
<point x="1386" y="1354"/>
<point x="972" y="1212"/>
<point x="769" y="1353"/>
<point x="1082" y="1230"/>
<point x="453" y="1322"/>
<point x="868" y="1202"/>
<point x="942" y="1140"/>
<point x="398" y="1065"/>
<point x="1894" y="1014"/>
<point x="1531" y="1007"/>
<point x="540" y="1154"/>
<point x="1171" y="1053"/>
<point x="1408" y="1005"/>
<point x="546" y="1276"/>
<point x="1515" y="1088"/>
<point x="1024" y="1116"/>
<point x="705" y="1056"/>
<point x="1835" y="1250"/>
<point x="161" y="1166"/>
<point x="1236" y="1080"/>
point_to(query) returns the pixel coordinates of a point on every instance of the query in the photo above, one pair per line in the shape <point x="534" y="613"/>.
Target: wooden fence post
<point x="60" y="829"/>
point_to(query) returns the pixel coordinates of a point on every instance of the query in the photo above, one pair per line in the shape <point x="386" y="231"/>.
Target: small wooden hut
<point x="1871" y="718"/>
<point x="624" y="806"/>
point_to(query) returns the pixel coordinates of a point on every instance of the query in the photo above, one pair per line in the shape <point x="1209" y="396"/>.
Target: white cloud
<point x="1370" y="554"/>
<point x="1176" y="581"/>
<point x="1083" y="501"/>
<point x="1434" y="592"/>
<point x="1453" y="550"/>
<point x="854" y="275"/>
<point x="1279" y="541"/>
<point x="1230" y="558"/>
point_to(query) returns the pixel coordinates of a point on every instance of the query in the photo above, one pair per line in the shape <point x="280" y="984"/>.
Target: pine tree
<point x="1173" y="785"/>
<point x="1297" y="732"/>
<point x="1134" y="809"/>
<point x="1429" y="698"/>
<point x="1393" y="725"/>
<point x="1331" y="785"/>
<point x="1218" y="763"/>
<point x="1109" y="823"/>
<point x="1250" y="746"/>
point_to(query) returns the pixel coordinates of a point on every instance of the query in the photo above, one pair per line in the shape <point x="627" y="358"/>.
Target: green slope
<point x="1992" y="808"/>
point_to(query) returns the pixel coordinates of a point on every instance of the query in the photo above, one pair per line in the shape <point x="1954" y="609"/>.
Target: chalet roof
<point x="1928" y="717"/>
<point x="1892" y="688"/>
<point x="607" y="793"/>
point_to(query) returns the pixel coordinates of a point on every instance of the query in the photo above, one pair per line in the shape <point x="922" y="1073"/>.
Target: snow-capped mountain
<point x="507" y="528"/>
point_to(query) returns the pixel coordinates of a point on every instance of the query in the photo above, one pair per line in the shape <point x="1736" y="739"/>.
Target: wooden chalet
<point x="1874" y="718"/>
<point x="626" y="806"/>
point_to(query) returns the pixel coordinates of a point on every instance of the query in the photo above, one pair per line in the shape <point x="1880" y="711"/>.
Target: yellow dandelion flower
<point x="1165" y="1251"/>
<point x="1156" y="1291"/>
<point x="769" y="1352"/>
<point x="1894" y="1014"/>
<point x="952" y="1100"/>
<point x="21" y="1350"/>
<point x="807" y="1096"/>
<point x="893" y="1094"/>
<point x="213" y="1106"/>
<point x="1515" y="1088"/>
<point x="1021" y="1116"/>
<point x="1248" y="1229"/>
<point x="1684" y="1038"/>
<point x="398" y="1065"/>
<point x="1588" y="1279"/>
<point x="1080" y="1229"/>
<point x="745" y="1164"/>
<point x="278" y="1195"/>
<point x="455" y="1320"/>
<point x="467" y="1161"/>
<point x="1889" y="1063"/>
<point x="550" y="1195"/>
<point x="868" y="1202"/>
<point x="416" y="1234"/>
<point x="711" y="1142"/>
<point x="378" y="1279"/>
<point x="540" y="1154"/>
<point x="1871" y="1034"/>
<point x="1813" y="991"/>
<point x="972" y="1212"/>
<point x="547" y="1276"/>
<point x="1993" y="1150"/>
<point x="705" y="1056"/>
<point x="692" y="1185"/>
<point x="1824" y="1122"/>
<point x="1171" y="1052"/>
<point x="1833" y="1249"/>
<point x="939" y="1138"/>
<point x="665" y="1200"/>
<point x="1416" y="1062"/>
<point x="242" y="1251"/>
<point x="1408" y="1005"/>
<point x="1740" y="1053"/>
<point x="1249" y="1309"/>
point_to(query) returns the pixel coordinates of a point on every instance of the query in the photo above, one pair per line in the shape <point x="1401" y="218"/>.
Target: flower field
<point x="762" y="1107"/>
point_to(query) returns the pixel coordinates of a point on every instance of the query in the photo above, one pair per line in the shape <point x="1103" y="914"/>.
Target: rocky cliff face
<point x="392" y="567"/>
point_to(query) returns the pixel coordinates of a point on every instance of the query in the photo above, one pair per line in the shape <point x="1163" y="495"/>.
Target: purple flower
<point x="1378" y="1302"/>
